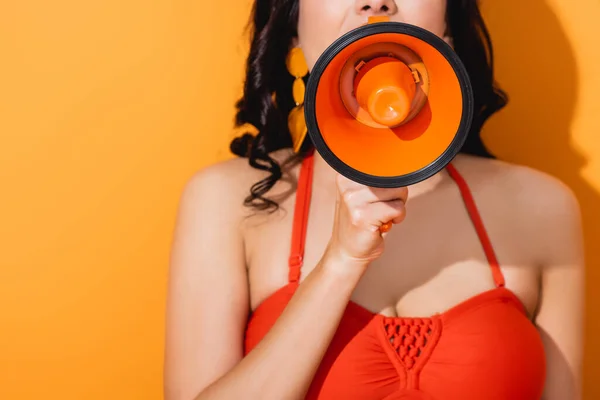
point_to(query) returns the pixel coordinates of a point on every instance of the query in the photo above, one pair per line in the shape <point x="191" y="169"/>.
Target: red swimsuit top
<point x="484" y="348"/>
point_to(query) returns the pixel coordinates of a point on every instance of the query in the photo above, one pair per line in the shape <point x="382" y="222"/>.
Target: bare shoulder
<point x="529" y="191"/>
<point x="229" y="182"/>
<point x="227" y="179"/>
<point x="535" y="206"/>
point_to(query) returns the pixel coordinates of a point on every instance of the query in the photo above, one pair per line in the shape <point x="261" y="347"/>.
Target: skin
<point x="224" y="264"/>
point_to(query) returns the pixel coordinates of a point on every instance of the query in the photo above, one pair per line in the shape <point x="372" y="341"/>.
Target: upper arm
<point x="207" y="302"/>
<point x="560" y="310"/>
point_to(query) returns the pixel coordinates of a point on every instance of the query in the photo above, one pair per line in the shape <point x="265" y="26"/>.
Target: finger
<point x="387" y="194"/>
<point x="356" y="193"/>
<point x="368" y="196"/>
<point x="396" y="210"/>
<point x="378" y="214"/>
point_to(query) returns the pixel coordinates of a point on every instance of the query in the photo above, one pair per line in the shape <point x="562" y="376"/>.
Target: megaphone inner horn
<point x="384" y="85"/>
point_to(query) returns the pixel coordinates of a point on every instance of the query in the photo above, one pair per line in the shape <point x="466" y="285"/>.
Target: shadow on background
<point x="536" y="65"/>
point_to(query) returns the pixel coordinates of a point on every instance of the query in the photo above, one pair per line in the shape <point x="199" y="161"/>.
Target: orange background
<point x="107" y="107"/>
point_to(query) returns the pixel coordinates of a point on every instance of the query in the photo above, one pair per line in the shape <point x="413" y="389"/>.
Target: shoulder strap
<point x="478" y="224"/>
<point x="302" y="206"/>
<point x="303" y="195"/>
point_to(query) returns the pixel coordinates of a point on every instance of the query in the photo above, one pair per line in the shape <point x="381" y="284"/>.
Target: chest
<point x="468" y="352"/>
<point x="432" y="261"/>
<point x="468" y="355"/>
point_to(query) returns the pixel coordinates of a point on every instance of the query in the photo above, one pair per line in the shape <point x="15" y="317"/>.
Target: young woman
<point x="282" y="285"/>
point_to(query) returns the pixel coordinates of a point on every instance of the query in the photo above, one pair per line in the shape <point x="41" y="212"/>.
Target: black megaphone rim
<point x="389" y="181"/>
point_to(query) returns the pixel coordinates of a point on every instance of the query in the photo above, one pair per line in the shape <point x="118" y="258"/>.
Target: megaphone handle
<point x="386" y="227"/>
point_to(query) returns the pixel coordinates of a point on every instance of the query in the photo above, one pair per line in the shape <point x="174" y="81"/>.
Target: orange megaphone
<point x="388" y="104"/>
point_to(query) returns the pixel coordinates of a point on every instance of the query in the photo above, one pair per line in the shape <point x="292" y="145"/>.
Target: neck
<point x="324" y="176"/>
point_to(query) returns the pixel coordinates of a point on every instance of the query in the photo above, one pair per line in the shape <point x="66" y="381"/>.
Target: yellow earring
<point x="297" y="67"/>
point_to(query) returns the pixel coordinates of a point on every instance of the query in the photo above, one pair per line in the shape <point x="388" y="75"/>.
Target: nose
<point x="376" y="7"/>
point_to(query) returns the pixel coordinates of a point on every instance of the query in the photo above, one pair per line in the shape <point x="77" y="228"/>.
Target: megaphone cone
<point x="388" y="104"/>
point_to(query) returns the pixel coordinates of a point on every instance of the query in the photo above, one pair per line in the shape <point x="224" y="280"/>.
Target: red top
<point x="484" y="348"/>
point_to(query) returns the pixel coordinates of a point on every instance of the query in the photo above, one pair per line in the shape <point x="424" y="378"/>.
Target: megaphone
<point x="388" y="104"/>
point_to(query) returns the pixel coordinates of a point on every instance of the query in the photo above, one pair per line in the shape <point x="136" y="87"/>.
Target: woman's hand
<point x="360" y="213"/>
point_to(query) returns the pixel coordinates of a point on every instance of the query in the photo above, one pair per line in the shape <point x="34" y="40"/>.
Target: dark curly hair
<point x="267" y="97"/>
